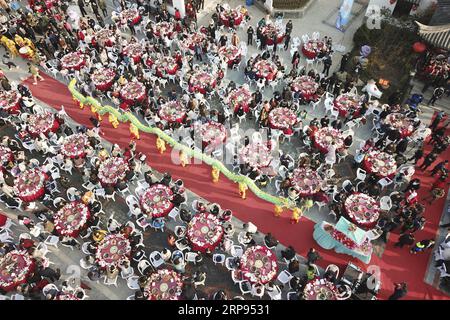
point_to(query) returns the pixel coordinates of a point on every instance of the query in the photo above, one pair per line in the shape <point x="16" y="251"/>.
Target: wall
<point x="179" y="4"/>
<point x="424" y="4"/>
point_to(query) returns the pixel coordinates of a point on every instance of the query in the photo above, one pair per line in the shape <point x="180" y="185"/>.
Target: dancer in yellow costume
<point x="113" y="120"/>
<point x="94" y="111"/>
<point x="243" y="190"/>
<point x="296" y="215"/>
<point x="134" y="131"/>
<point x="160" y="145"/>
<point x="10" y="45"/>
<point x="278" y="210"/>
<point x="184" y="159"/>
<point x="19" y="41"/>
<point x="215" y="173"/>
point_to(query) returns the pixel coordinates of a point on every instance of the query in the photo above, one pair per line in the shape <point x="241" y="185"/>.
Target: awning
<point x="438" y="36"/>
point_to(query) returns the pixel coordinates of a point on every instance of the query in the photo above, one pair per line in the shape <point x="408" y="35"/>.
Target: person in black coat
<point x="167" y="179"/>
<point x="401" y="146"/>
<point x="178" y="199"/>
<point x="400" y="291"/>
<point x="312" y="256"/>
<point x="270" y="240"/>
<point x="250" y="33"/>
<point x="288" y="253"/>
<point x="344" y="61"/>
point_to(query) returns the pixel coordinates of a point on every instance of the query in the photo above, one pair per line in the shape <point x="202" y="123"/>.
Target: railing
<point x="214" y="163"/>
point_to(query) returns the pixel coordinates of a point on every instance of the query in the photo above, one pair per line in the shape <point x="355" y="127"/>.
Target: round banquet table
<point x="15" y="267"/>
<point x="104" y="37"/>
<point x="112" y="170"/>
<point x="324" y="136"/>
<point x="204" y="232"/>
<point x="200" y="81"/>
<point x="240" y="98"/>
<point x="42" y="123"/>
<point x="282" y="119"/>
<point x="193" y="39"/>
<point x="380" y="163"/>
<point x="10" y="101"/>
<point x="363" y="210"/>
<point x="401" y="123"/>
<point x="257" y="155"/>
<point x="320" y="289"/>
<point x="172" y="111"/>
<point x="164" y="28"/>
<point x="134" y="51"/>
<point x="6" y="155"/>
<point x="312" y="48"/>
<point x="306" y="181"/>
<point x="226" y="14"/>
<point x="232" y="54"/>
<point x="269" y="31"/>
<point x="73" y="61"/>
<point x="132" y="92"/>
<point x="103" y="78"/>
<point x="113" y="250"/>
<point x="131" y="14"/>
<point x="74" y="145"/>
<point x="259" y="265"/>
<point x="346" y="102"/>
<point x="266" y="69"/>
<point x="71" y="219"/>
<point x="166" y="65"/>
<point x="156" y="201"/>
<point x="30" y="185"/>
<point x="164" y="284"/>
<point x="307" y="86"/>
<point x="213" y="133"/>
<point x="66" y="296"/>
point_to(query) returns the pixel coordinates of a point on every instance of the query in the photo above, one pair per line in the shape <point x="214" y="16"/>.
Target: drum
<point x="26" y="52"/>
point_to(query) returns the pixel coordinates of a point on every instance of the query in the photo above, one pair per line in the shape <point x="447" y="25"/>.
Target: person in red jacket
<point x="177" y="14"/>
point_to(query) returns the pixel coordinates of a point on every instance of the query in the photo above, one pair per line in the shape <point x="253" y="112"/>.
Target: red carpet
<point x="396" y="265"/>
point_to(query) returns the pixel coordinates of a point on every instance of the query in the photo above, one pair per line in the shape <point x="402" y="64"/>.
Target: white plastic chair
<point x="218" y="258"/>
<point x="191" y="257"/>
<point x="174" y="213"/>
<point x="361" y="174"/>
<point x="133" y="282"/>
<point x="49" y="287"/>
<point x="257" y="290"/>
<point x="275" y="293"/>
<point x="245" y="287"/>
<point x="385" y="203"/>
<point x="156" y="259"/>
<point x="236" y="251"/>
<point x="52" y="241"/>
<point x="385" y="182"/>
<point x="143" y="265"/>
<point x="111" y="282"/>
<point x="284" y="277"/>
<point x="71" y="194"/>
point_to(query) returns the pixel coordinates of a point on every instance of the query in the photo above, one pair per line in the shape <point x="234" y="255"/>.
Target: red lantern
<point x="419" y="47"/>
